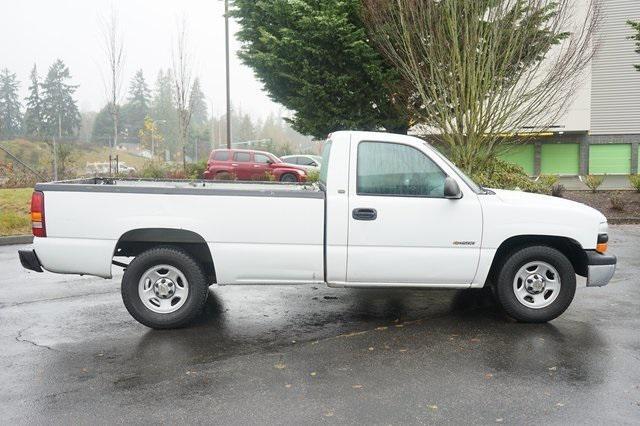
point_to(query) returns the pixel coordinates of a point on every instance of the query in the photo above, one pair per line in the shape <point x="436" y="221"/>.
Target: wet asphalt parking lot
<point x="70" y="353"/>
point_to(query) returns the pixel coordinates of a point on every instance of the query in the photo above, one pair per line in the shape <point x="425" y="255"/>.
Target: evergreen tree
<point x="102" y="132"/>
<point x="199" y="111"/>
<point x="59" y="108"/>
<point x="10" y="107"/>
<point x="163" y="109"/>
<point x="315" y="58"/>
<point x="33" y="118"/>
<point x="133" y="113"/>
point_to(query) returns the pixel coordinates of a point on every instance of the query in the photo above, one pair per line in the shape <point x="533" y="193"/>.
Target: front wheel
<point x="536" y="284"/>
<point x="164" y="288"/>
<point x="289" y="178"/>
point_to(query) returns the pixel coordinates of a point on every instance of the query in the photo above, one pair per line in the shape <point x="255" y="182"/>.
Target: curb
<point x="16" y="239"/>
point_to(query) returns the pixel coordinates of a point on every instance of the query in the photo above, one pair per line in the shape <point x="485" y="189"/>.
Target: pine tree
<point x="60" y="111"/>
<point x="33" y="119"/>
<point x="133" y="113"/>
<point x="10" y="107"/>
<point x="199" y="111"/>
<point x="163" y="109"/>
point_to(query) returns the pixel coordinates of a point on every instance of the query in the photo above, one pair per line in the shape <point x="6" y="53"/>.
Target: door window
<point x="221" y="156"/>
<point x="242" y="157"/>
<point x="397" y="170"/>
<point x="261" y="158"/>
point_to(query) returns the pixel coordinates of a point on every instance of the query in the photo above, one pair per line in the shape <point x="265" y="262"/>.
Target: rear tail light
<point x="37" y="215"/>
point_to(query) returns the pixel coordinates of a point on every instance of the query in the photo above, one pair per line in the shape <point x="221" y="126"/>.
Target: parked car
<point x="242" y="164"/>
<point x="307" y="162"/>
<point x="389" y="211"/>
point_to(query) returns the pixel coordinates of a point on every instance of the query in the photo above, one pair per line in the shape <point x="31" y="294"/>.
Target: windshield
<point x="470" y="183"/>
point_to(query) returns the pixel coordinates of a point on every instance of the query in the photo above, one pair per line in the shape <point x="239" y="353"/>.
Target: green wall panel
<point x="610" y="159"/>
<point x="523" y="156"/>
<point x="560" y="158"/>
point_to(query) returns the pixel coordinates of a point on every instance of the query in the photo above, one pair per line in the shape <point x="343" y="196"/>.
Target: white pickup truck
<point x="389" y="211"/>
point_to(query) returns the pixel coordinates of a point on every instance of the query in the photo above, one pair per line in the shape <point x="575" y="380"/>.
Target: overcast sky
<point x="39" y="31"/>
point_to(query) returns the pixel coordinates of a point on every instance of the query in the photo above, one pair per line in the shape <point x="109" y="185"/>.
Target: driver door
<point x="401" y="227"/>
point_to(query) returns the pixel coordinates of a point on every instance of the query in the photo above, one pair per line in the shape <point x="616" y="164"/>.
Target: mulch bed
<point x="601" y="200"/>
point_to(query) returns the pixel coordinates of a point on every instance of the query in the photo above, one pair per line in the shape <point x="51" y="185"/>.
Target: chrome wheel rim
<point x="536" y="285"/>
<point x="163" y="289"/>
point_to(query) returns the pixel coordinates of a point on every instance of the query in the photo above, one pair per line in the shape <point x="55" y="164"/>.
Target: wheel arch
<point x="136" y="241"/>
<point x="567" y="246"/>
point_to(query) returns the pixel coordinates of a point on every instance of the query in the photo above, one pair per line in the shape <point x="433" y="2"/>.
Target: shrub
<point x="10" y="177"/>
<point x="617" y="201"/>
<point x="313" y="176"/>
<point x="153" y="170"/>
<point x="502" y="175"/>
<point x="593" y="182"/>
<point x="196" y="170"/>
<point x="635" y="181"/>
<point x="548" y="180"/>
<point x="268" y="176"/>
<point x="557" y="190"/>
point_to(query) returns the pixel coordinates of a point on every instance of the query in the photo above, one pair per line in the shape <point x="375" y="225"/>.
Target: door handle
<point x="234" y="164"/>
<point x="364" y="214"/>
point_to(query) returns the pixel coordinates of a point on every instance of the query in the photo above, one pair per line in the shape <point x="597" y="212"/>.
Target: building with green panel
<point x="600" y="134"/>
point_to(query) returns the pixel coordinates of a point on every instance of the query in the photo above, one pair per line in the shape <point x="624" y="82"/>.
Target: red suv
<point x="242" y="164"/>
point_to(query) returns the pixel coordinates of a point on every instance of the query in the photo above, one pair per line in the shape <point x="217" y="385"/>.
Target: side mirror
<point x="451" y="189"/>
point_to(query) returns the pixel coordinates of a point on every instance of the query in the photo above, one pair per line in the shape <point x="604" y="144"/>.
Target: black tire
<point x="505" y="284"/>
<point x="179" y="259"/>
<point x="288" y="177"/>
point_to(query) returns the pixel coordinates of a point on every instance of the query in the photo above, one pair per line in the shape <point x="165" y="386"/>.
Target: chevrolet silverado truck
<point x="388" y="211"/>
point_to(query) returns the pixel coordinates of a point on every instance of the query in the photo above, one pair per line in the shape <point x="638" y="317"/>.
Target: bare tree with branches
<point x="182" y="68"/>
<point x="113" y="46"/>
<point x="488" y="72"/>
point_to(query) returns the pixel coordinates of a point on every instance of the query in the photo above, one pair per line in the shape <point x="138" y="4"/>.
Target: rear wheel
<point x="289" y="178"/>
<point x="536" y="284"/>
<point x="164" y="288"/>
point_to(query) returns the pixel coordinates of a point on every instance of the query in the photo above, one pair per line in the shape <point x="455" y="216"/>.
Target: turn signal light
<point x="37" y="214"/>
<point x="603" y="240"/>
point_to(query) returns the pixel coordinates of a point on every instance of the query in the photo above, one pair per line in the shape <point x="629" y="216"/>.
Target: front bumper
<point x="29" y="260"/>
<point x="600" y="268"/>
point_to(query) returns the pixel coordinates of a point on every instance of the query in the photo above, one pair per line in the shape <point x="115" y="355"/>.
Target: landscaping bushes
<point x="502" y="175"/>
<point x="593" y="182"/>
<point x="635" y="181"/>
<point x="618" y="201"/>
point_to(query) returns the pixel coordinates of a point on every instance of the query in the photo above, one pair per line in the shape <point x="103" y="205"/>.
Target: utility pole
<point x="226" y="39"/>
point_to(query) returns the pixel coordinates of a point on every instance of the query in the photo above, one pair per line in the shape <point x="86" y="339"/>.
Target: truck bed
<point x="258" y="232"/>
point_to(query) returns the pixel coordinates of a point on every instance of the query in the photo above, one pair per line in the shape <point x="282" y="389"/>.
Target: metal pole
<point x="226" y="39"/>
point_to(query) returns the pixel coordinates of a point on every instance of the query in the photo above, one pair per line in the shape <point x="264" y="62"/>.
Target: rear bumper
<point x="29" y="260"/>
<point x="601" y="268"/>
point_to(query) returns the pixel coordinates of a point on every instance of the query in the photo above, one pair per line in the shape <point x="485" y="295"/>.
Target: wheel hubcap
<point x="536" y="285"/>
<point x="163" y="289"/>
